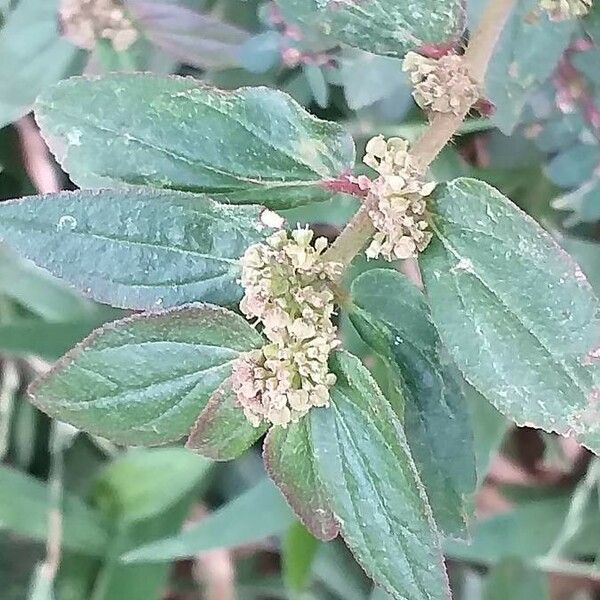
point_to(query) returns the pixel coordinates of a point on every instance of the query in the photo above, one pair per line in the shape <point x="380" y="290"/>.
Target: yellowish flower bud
<point x="84" y="22"/>
<point x="441" y="85"/>
<point x="286" y="289"/>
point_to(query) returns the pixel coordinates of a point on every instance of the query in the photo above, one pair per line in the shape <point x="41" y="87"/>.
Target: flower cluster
<point x="84" y="22"/>
<point x="286" y="283"/>
<point x="563" y="10"/>
<point x="396" y="200"/>
<point x="441" y="85"/>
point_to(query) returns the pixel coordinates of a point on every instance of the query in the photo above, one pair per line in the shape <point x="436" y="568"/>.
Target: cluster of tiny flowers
<point x="441" y="85"/>
<point x="396" y="200"/>
<point x="286" y="284"/>
<point x="84" y="22"/>
<point x="563" y="10"/>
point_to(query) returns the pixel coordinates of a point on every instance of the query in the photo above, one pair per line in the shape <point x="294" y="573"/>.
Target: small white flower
<point x="397" y="201"/>
<point x="443" y="84"/>
<point x="286" y="289"/>
<point x="84" y="22"/>
<point x="564" y="10"/>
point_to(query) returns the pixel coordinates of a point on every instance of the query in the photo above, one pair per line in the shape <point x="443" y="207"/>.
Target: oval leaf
<point x="374" y="489"/>
<point x="436" y="415"/>
<point x="290" y="462"/>
<point x="249" y="145"/>
<point x="136" y="248"/>
<point x="389" y="27"/>
<point x="515" y="311"/>
<point x="143" y="380"/>
<point x="222" y="431"/>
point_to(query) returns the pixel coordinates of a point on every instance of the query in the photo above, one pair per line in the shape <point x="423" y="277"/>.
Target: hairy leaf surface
<point x="373" y="486"/>
<point x="136" y="248"/>
<point x="436" y="416"/>
<point x="515" y="311"/>
<point x="246" y="146"/>
<point x="145" y="379"/>
<point x="388" y="27"/>
<point x="289" y="459"/>
<point x="222" y="431"/>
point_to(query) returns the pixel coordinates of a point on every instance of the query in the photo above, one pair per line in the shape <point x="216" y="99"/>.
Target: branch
<point x="441" y="129"/>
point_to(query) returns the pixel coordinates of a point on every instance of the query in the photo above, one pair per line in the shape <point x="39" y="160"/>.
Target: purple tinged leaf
<point x="222" y="431"/>
<point x="196" y="39"/>
<point x="289" y="460"/>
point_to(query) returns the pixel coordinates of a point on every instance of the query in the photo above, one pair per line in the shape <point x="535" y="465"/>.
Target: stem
<point x="441" y="129"/>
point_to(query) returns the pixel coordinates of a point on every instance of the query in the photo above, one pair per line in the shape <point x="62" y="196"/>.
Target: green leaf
<point x="144" y="483"/>
<point x="489" y="429"/>
<point x="34" y="56"/>
<point x="510" y="533"/>
<point x="254" y="515"/>
<point x="253" y="145"/>
<point x="117" y="581"/>
<point x="379" y="594"/>
<point x="289" y="459"/>
<point x="48" y="340"/>
<point x="24" y="508"/>
<point x="222" y="431"/>
<point x="374" y="488"/>
<point x="143" y="380"/>
<point x="298" y="554"/>
<point x="436" y="416"/>
<point x="336" y="569"/>
<point x="38" y="292"/>
<point x="512" y="579"/>
<point x="388" y="27"/>
<point x="148" y="493"/>
<point x="136" y="248"/>
<point x="514" y="310"/>
<point x="525" y="56"/>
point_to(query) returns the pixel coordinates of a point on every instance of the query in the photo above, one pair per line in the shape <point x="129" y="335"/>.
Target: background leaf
<point x="143" y="380"/>
<point x="144" y="483"/>
<point x="194" y="38"/>
<point x="527" y="52"/>
<point x="514" y="310"/>
<point x="252" y="516"/>
<point x="299" y="550"/>
<point x="136" y="248"/>
<point x="24" y="506"/>
<point x="175" y="133"/>
<point x="512" y="579"/>
<point x="508" y="534"/>
<point x="148" y="495"/>
<point x="34" y="56"/>
<point x="374" y="488"/>
<point x="436" y="417"/>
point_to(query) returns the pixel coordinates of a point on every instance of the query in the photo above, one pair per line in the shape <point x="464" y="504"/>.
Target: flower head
<point x="286" y="283"/>
<point x="84" y="22"/>
<point x="397" y="200"/>
<point x="443" y="84"/>
<point x="563" y="10"/>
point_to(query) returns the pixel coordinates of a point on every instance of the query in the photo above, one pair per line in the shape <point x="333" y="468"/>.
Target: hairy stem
<point x="441" y="128"/>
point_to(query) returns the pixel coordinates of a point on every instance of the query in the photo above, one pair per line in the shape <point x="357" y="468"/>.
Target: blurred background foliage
<point x="72" y="505"/>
